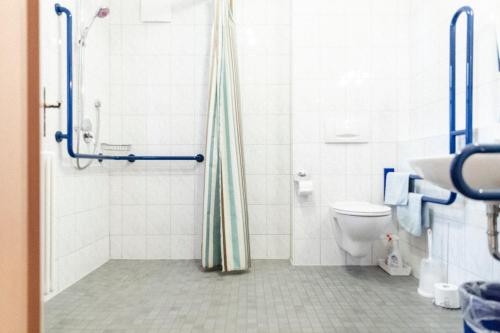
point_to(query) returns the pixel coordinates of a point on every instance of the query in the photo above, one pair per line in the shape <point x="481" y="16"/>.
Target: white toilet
<point x="357" y="224"/>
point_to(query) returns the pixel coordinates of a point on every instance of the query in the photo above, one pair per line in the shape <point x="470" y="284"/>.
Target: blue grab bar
<point x="60" y="136"/>
<point x="468" y="131"/>
<point x="471" y="149"/>
<point x="457" y="176"/>
<point x="425" y="199"/>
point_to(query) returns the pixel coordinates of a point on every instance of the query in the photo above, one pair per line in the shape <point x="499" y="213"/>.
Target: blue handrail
<point x="69" y="91"/>
<point x="457" y="176"/>
<point x="454" y="133"/>
<point x="468" y="131"/>
<point x="471" y="149"/>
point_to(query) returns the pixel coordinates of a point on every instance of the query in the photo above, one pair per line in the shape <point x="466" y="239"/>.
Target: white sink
<point x="481" y="171"/>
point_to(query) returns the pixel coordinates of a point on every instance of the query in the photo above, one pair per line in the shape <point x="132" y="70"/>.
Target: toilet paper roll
<point x="446" y="295"/>
<point x="304" y="187"/>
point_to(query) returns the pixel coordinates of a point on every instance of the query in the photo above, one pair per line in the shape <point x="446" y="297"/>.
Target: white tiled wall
<point x="348" y="57"/>
<point x="81" y="202"/>
<point x="460" y="230"/>
<point x="264" y="49"/>
<point x="159" y="74"/>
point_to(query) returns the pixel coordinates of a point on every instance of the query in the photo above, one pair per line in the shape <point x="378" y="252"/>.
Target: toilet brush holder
<point x="430" y="272"/>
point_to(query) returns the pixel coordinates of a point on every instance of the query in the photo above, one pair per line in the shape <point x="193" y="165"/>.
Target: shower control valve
<point x="88" y="137"/>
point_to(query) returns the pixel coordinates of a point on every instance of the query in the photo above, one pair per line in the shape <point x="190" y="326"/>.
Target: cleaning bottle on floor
<point x="394" y="259"/>
<point x="388" y="247"/>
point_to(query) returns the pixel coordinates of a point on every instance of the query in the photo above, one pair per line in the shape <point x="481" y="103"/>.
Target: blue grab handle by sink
<point x="457" y="176"/>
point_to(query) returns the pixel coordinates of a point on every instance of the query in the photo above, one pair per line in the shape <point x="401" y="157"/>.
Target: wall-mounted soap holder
<point x="346" y="129"/>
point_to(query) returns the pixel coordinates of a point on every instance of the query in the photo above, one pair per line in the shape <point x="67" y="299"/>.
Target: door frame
<point x="34" y="108"/>
<point x="20" y="304"/>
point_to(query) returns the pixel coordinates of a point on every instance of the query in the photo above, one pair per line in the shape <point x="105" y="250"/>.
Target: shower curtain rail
<point x="60" y="136"/>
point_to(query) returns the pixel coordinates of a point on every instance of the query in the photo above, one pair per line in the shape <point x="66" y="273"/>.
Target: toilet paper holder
<point x="303" y="184"/>
<point x="301" y="175"/>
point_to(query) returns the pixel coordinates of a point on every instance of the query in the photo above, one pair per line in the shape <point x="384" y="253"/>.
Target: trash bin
<point x="480" y="302"/>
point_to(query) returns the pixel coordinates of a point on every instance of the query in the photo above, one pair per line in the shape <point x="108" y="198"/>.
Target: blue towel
<point x="396" y="188"/>
<point x="414" y="217"/>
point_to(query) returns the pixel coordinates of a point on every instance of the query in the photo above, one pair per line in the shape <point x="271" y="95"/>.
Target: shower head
<point x="102" y="12"/>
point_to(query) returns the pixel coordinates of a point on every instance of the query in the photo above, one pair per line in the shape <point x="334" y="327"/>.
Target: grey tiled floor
<point x="175" y="296"/>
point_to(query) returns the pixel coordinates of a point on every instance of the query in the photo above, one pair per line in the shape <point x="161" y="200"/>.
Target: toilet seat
<point x="358" y="208"/>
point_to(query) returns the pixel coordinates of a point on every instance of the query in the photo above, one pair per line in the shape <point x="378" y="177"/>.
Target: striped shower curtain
<point x="225" y="243"/>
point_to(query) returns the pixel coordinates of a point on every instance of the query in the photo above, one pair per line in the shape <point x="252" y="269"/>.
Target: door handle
<point x="45" y="107"/>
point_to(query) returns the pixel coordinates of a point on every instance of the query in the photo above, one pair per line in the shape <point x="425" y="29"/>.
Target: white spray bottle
<point x="394" y="258"/>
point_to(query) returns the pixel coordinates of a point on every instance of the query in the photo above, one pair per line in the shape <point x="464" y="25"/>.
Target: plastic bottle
<point x="394" y="258"/>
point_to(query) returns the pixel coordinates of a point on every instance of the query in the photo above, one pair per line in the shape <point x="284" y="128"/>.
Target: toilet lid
<point x="357" y="208"/>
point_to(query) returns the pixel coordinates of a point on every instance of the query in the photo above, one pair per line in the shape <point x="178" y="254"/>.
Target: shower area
<point x="123" y="145"/>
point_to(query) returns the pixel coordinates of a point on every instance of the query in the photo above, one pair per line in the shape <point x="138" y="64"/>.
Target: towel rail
<point x="425" y="199"/>
<point x="60" y="136"/>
